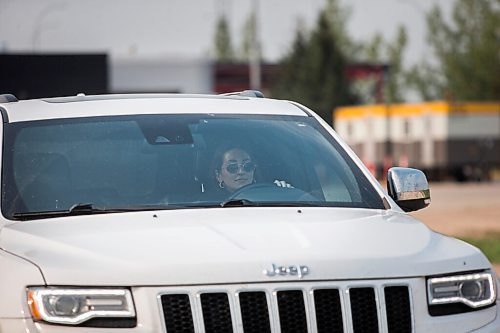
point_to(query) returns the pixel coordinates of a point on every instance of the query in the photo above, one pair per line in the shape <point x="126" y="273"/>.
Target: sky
<point x="174" y="29"/>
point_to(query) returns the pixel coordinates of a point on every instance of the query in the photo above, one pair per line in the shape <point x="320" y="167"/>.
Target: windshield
<point x="176" y="161"/>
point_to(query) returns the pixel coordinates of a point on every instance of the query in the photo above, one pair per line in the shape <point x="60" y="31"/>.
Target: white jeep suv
<point x="116" y="217"/>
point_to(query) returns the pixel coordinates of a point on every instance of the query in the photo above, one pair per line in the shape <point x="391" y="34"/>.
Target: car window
<point x="131" y="161"/>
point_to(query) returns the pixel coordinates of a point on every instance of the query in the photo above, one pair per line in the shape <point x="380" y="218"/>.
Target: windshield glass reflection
<point x="181" y="161"/>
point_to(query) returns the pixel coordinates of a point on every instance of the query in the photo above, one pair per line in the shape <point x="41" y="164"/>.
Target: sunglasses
<point x="233" y="168"/>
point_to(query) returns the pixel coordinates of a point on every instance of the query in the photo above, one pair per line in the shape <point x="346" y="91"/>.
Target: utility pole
<point x="254" y="63"/>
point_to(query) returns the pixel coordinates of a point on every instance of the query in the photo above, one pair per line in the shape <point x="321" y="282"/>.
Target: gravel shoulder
<point x="463" y="210"/>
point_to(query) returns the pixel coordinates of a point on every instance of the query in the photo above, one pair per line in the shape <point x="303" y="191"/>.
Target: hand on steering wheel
<point x="282" y="183"/>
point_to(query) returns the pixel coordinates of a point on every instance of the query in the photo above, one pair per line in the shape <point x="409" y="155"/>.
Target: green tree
<point x="378" y="50"/>
<point x="249" y="31"/>
<point x="395" y="82"/>
<point x="337" y="17"/>
<point x="373" y="49"/>
<point x="313" y="73"/>
<point x="223" y="47"/>
<point x="467" y="53"/>
<point x="294" y="71"/>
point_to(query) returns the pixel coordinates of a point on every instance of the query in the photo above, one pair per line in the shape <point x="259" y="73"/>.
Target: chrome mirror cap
<point x="408" y="188"/>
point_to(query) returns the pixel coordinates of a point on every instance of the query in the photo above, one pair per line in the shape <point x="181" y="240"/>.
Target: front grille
<point x="292" y="311"/>
<point x="364" y="310"/>
<point x="328" y="310"/>
<point x="177" y="313"/>
<point x="255" y="312"/>
<point x="293" y="307"/>
<point x="216" y="313"/>
<point x="397" y="301"/>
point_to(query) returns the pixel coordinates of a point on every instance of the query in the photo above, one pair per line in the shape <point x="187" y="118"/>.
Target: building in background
<point x="48" y="75"/>
<point x="61" y="74"/>
<point x="447" y="140"/>
<point x="161" y="75"/>
<point x="229" y="77"/>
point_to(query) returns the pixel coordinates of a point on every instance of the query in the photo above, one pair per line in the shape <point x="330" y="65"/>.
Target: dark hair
<point x="219" y="154"/>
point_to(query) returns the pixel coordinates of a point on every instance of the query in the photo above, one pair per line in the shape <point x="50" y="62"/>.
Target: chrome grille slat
<point x="290" y="307"/>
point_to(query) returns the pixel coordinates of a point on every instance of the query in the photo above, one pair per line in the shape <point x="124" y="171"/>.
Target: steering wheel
<point x="271" y="192"/>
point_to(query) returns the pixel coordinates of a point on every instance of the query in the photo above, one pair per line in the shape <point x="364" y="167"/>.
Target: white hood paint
<point x="234" y="245"/>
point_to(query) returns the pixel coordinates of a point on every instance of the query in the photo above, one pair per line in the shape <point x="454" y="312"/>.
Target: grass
<point x="490" y="246"/>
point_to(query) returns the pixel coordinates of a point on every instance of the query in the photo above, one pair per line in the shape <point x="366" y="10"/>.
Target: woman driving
<point x="235" y="169"/>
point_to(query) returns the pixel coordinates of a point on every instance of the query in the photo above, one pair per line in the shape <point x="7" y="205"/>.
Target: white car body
<point x="227" y="250"/>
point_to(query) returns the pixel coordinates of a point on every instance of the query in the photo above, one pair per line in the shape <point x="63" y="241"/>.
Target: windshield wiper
<point x="249" y="203"/>
<point x="89" y="209"/>
<point x="83" y="208"/>
<point x="239" y="203"/>
<point x="76" y="209"/>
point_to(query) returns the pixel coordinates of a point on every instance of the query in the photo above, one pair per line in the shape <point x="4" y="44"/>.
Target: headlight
<point x="475" y="290"/>
<point x="75" y="306"/>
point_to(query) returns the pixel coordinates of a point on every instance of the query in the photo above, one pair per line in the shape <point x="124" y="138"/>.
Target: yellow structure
<point x="443" y="138"/>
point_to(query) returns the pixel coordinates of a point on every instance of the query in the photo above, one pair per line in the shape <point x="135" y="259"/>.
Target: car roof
<point x="131" y="104"/>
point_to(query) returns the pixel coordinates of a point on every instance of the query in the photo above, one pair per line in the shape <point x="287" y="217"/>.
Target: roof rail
<point x="7" y="98"/>
<point x="246" y="93"/>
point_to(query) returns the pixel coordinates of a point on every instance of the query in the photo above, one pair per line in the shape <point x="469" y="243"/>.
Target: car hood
<point x="234" y="245"/>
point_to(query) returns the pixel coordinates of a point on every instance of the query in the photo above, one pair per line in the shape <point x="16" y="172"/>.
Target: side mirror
<point x="409" y="188"/>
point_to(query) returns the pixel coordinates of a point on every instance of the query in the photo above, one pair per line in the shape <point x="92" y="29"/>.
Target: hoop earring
<point x="221" y="184"/>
